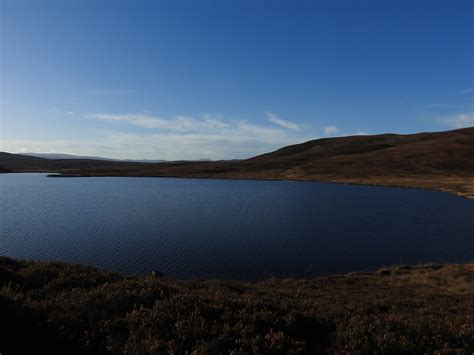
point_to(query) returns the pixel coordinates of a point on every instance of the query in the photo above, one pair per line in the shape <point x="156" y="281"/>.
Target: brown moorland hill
<point x="437" y="160"/>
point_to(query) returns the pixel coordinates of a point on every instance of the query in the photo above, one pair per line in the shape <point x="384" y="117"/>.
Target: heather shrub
<point x="55" y="307"/>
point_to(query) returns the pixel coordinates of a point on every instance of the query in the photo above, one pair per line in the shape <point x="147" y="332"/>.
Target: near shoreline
<point x="64" y="307"/>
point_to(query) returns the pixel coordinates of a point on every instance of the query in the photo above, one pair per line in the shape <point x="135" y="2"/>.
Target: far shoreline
<point x="462" y="187"/>
<point x="401" y="182"/>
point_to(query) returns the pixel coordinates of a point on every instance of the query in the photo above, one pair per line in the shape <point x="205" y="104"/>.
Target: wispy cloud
<point x="211" y="136"/>
<point x="79" y="147"/>
<point x="439" y="106"/>
<point x="448" y="106"/>
<point x="459" y="121"/>
<point x="242" y="140"/>
<point x="214" y="122"/>
<point x="330" y="130"/>
<point x="281" y="122"/>
<point x="179" y="123"/>
<point x="207" y="123"/>
<point x="467" y="91"/>
<point x="207" y="136"/>
<point x="110" y="92"/>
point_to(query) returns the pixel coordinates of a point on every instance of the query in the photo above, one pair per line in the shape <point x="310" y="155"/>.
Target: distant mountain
<point x="62" y="156"/>
<point x="436" y="160"/>
<point x="82" y="157"/>
<point x="144" y="160"/>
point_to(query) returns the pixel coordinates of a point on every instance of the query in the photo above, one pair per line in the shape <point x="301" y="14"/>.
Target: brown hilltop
<point x="451" y="151"/>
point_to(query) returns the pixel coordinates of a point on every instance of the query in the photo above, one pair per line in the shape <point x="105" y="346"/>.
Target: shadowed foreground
<point x="63" y="307"/>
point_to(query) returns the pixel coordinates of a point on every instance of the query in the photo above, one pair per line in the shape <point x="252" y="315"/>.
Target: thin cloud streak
<point x="281" y="122"/>
<point x="209" y="136"/>
<point x="330" y="130"/>
<point x="459" y="121"/>
<point x="177" y="138"/>
<point x="243" y="141"/>
<point x="110" y="92"/>
<point x="179" y="123"/>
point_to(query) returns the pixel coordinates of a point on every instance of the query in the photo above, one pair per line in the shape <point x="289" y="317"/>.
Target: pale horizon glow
<point x="228" y="80"/>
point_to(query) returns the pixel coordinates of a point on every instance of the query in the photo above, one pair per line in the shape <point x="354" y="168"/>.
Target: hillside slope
<point x="424" y="153"/>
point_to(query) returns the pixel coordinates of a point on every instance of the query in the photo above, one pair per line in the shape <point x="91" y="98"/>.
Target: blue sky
<point x="228" y="79"/>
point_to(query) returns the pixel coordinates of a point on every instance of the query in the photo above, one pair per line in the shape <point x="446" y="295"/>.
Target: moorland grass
<point x="54" y="307"/>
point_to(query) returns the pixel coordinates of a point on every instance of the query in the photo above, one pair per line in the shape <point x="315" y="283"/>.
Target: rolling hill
<point x="436" y="160"/>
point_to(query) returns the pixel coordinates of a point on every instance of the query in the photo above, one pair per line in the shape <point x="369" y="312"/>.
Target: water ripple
<point x="190" y="228"/>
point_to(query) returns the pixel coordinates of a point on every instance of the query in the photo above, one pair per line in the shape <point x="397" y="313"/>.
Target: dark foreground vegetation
<point x="437" y="160"/>
<point x="55" y="307"/>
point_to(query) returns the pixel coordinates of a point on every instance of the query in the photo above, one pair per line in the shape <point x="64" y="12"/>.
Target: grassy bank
<point x="74" y="309"/>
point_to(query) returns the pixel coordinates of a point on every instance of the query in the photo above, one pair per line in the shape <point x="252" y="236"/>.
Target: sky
<point x="228" y="79"/>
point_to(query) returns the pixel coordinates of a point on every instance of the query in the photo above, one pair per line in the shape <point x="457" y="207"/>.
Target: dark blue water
<point x="190" y="228"/>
